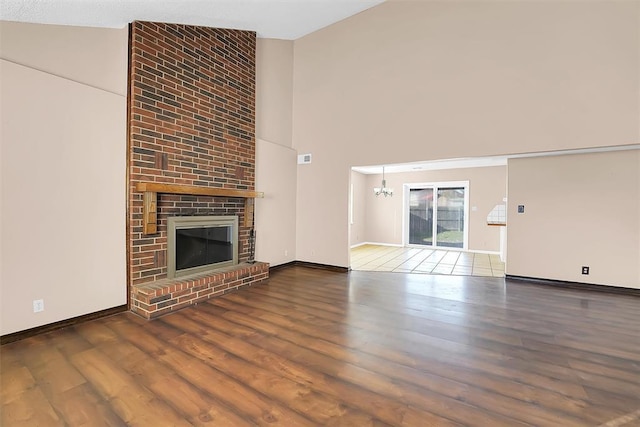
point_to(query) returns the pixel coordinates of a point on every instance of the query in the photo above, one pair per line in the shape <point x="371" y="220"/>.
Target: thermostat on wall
<point x="304" y="159"/>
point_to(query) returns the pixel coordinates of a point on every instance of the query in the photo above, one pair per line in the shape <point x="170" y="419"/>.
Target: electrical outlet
<point x="520" y="209"/>
<point x="38" y="305"/>
<point x="585" y="269"/>
<point x="286" y="252"/>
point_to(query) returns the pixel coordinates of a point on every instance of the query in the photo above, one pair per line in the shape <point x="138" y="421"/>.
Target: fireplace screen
<point x="200" y="243"/>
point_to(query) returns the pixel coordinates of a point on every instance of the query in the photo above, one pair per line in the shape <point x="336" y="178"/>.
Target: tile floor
<point x="425" y="261"/>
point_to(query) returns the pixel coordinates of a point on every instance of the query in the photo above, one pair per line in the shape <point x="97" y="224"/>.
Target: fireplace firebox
<point x="200" y="243"/>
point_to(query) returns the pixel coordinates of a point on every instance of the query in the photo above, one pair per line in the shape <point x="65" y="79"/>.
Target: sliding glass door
<point x="437" y="214"/>
<point x="421" y="216"/>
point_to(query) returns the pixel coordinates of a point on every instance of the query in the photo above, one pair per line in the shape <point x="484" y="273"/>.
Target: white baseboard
<point x="357" y="245"/>
<point x="483" y="252"/>
<point x="377" y="244"/>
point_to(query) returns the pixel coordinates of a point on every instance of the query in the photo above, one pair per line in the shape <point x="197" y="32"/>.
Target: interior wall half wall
<point x="579" y="210"/>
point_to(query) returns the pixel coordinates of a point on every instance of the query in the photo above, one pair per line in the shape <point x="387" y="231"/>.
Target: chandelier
<point x="384" y="190"/>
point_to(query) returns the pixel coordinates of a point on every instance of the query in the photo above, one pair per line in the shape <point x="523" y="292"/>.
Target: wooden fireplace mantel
<point x="150" y="198"/>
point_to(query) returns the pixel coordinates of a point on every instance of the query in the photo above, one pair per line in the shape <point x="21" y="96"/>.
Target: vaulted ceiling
<point x="279" y="19"/>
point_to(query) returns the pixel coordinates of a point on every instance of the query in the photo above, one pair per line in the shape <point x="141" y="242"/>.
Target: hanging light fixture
<point x="384" y="190"/>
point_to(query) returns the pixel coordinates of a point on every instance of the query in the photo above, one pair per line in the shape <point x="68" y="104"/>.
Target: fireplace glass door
<point x="202" y="246"/>
<point x="200" y="243"/>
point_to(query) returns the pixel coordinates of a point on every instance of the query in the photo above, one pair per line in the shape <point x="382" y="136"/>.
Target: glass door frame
<point x="406" y="188"/>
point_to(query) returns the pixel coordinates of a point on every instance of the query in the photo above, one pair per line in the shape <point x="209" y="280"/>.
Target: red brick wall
<point x="191" y="121"/>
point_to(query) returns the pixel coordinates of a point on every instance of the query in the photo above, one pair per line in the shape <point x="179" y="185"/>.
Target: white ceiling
<point x="278" y="19"/>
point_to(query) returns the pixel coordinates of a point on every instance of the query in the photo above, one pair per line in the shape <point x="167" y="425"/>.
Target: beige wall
<point x="276" y="213"/>
<point x="275" y="158"/>
<point x="92" y="56"/>
<point x="580" y="210"/>
<point x="358" y="206"/>
<point x="487" y="188"/>
<point x="274" y="90"/>
<point x="413" y="81"/>
<point x="63" y="172"/>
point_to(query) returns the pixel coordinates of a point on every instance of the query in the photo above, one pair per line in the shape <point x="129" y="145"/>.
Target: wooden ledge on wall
<point x="159" y="187"/>
<point x="150" y="199"/>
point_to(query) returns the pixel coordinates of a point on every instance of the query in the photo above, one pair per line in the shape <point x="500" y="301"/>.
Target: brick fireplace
<point x="191" y="124"/>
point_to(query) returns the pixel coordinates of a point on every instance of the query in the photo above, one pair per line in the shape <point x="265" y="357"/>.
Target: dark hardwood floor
<point x="315" y="348"/>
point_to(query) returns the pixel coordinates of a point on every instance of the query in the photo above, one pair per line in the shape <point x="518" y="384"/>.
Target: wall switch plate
<point x="520" y="208"/>
<point x="585" y="270"/>
<point x="38" y="305"/>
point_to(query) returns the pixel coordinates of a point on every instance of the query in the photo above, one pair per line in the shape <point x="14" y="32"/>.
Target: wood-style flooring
<point x="319" y="348"/>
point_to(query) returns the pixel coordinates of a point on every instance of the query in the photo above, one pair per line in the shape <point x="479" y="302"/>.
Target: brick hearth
<point x="164" y="296"/>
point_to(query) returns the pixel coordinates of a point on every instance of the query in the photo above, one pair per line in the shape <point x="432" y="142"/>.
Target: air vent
<point x="303" y="159"/>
